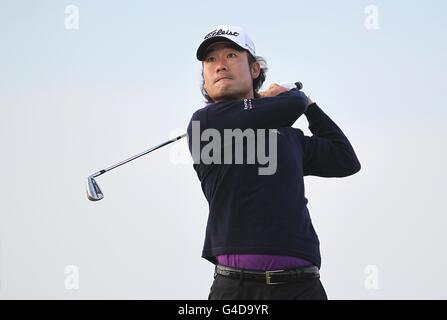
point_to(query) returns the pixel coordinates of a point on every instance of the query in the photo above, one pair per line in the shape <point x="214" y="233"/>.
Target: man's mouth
<point x="223" y="78"/>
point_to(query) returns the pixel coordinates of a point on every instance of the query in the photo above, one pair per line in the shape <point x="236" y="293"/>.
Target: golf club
<point x="94" y="192"/>
<point x="291" y="85"/>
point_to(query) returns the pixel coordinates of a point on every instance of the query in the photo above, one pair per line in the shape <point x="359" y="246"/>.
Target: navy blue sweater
<point x="267" y="214"/>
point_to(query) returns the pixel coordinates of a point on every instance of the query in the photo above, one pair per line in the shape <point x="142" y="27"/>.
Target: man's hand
<point x="273" y="90"/>
<point x="276" y="89"/>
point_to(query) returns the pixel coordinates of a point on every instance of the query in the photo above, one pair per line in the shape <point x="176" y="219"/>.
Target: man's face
<point x="227" y="74"/>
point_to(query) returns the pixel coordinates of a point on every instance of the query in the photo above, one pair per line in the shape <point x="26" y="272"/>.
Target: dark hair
<point x="257" y="83"/>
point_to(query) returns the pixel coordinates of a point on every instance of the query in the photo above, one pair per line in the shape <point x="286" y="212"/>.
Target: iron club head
<point x="94" y="193"/>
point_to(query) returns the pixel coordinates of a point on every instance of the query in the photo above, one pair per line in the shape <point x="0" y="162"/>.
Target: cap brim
<point x="205" y="44"/>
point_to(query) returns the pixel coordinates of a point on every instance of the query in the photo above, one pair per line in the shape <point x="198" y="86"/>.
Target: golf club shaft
<point x="94" y="192"/>
<point x="139" y="155"/>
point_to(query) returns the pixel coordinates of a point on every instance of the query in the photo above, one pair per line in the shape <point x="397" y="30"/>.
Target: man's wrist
<point x="309" y="101"/>
<point x="309" y="107"/>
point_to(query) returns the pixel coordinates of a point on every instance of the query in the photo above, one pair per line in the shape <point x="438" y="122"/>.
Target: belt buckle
<point x="268" y="275"/>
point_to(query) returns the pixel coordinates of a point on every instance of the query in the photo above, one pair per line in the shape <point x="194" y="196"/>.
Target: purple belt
<point x="262" y="262"/>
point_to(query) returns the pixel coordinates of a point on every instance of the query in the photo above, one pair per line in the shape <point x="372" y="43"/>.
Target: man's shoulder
<point x="200" y="113"/>
<point x="197" y="114"/>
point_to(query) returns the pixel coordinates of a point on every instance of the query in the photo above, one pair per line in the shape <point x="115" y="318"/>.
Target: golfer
<point x="259" y="234"/>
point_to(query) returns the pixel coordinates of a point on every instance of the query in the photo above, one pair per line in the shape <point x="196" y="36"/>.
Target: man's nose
<point x="221" y="66"/>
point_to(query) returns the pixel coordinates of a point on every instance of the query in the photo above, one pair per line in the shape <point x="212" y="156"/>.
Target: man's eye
<point x="231" y="55"/>
<point x="209" y="59"/>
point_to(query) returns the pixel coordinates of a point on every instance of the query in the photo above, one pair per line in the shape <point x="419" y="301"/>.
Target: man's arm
<point x="261" y="113"/>
<point x="327" y="153"/>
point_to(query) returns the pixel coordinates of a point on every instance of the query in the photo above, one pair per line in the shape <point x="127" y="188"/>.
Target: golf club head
<point x="94" y="193"/>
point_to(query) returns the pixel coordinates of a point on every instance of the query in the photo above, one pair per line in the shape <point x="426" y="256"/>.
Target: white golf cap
<point x="225" y="33"/>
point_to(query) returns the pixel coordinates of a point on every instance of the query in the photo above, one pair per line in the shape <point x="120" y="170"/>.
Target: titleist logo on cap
<point x="220" y="32"/>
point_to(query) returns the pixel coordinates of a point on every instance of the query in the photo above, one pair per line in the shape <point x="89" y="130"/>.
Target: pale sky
<point x="74" y="101"/>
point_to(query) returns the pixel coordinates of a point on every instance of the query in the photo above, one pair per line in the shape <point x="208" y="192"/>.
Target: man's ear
<point x="255" y="70"/>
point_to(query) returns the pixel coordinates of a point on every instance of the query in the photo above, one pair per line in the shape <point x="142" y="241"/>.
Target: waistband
<point x="268" y="277"/>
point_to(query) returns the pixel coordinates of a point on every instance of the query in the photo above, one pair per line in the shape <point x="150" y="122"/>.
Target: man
<point x="259" y="233"/>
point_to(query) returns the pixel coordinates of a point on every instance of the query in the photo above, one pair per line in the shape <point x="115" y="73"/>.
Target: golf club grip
<point x="291" y="85"/>
<point x="299" y="85"/>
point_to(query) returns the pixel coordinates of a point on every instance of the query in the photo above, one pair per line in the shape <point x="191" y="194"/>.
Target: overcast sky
<point x="86" y="84"/>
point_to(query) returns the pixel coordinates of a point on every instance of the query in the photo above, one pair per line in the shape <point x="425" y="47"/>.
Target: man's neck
<point x="249" y="95"/>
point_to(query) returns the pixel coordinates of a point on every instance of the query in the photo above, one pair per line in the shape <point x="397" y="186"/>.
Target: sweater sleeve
<point x="261" y="113"/>
<point x="328" y="152"/>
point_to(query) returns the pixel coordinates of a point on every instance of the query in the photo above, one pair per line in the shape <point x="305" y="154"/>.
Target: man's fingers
<point x="273" y="90"/>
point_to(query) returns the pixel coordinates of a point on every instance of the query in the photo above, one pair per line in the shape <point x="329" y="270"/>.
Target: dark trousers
<point x="224" y="288"/>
